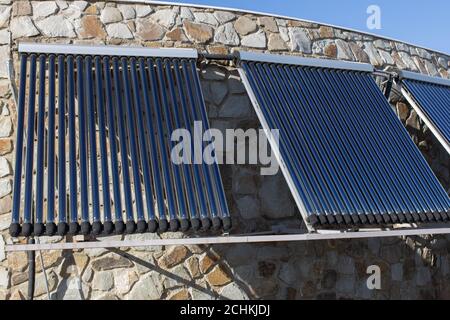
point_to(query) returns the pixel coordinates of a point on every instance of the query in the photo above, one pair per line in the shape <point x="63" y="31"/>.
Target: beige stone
<point x="91" y="27"/>
<point x="276" y="43"/>
<point x="330" y="50"/>
<point x="198" y="33"/>
<point x="174" y="257"/>
<point x="111" y="262"/>
<point x="21" y="8"/>
<point x="180" y="295"/>
<point x="206" y="263"/>
<point x="17" y="261"/>
<point x="326" y="32"/>
<point x="193" y="266"/>
<point x="268" y="23"/>
<point x="177" y="34"/>
<point x="218" y="277"/>
<point x="149" y="31"/>
<point x="17" y="295"/>
<point x="51" y="259"/>
<point x="19" y="278"/>
<point x="5" y="205"/>
<point x="245" y="26"/>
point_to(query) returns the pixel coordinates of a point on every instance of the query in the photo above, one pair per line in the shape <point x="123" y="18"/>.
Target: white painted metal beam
<point x="421" y="77"/>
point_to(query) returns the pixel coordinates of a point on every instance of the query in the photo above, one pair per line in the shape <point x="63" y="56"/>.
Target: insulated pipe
<point x="31" y="271"/>
<point x="131" y="225"/>
<point x="62" y="218"/>
<point x="50" y="223"/>
<point x="97" y="226"/>
<point x="163" y="224"/>
<point x="163" y="147"/>
<point x="27" y="228"/>
<point x="81" y="96"/>
<point x="39" y="207"/>
<point x="119" y="226"/>
<point x="185" y="170"/>
<point x="226" y="220"/>
<point x="146" y="165"/>
<point x="192" y="177"/>
<point x="141" y="223"/>
<point x="108" y="226"/>
<point x="74" y="227"/>
<point x="15" y="228"/>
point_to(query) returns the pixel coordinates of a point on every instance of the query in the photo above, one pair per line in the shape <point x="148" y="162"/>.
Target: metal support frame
<point x="229" y="240"/>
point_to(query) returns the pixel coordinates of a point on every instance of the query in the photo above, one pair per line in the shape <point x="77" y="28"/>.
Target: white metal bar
<point x="276" y="150"/>
<point x="309" y="62"/>
<point x="278" y="16"/>
<point x="107" y="50"/>
<point x="437" y="133"/>
<point x="227" y="240"/>
<point x="421" y="77"/>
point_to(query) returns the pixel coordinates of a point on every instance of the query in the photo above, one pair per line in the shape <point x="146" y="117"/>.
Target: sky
<point x="424" y="23"/>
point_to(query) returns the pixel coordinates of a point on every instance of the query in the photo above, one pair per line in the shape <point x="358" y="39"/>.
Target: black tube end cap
<point x="174" y="225"/>
<point x="227" y="224"/>
<point x="184" y="225"/>
<point x="97" y="228"/>
<point x="152" y="226"/>
<point x="196" y="224"/>
<point x="63" y="228"/>
<point x="108" y="228"/>
<point x="85" y="228"/>
<point x="27" y="230"/>
<point x="217" y="223"/>
<point x="131" y="227"/>
<point x="15" y="230"/>
<point x="39" y="229"/>
<point x="141" y="226"/>
<point x="74" y="228"/>
<point x="163" y="226"/>
<point x="206" y="224"/>
<point x="50" y="229"/>
<point x="119" y="227"/>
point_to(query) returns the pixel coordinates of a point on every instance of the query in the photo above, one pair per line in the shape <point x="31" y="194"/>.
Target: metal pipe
<point x="50" y="223"/>
<point x="15" y="228"/>
<point x="31" y="270"/>
<point x="73" y="188"/>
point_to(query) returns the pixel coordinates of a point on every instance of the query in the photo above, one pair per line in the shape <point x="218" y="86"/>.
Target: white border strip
<point x="107" y="50"/>
<point x="309" y="62"/>
<point x="424" y="117"/>
<point x="227" y="240"/>
<point x="421" y="77"/>
<point x="276" y="150"/>
<point x="278" y="16"/>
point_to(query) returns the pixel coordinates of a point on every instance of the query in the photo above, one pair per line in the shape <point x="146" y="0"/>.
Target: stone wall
<point x="411" y="267"/>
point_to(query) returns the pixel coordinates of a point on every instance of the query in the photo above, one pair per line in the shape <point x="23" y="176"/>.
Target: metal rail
<point x="229" y="240"/>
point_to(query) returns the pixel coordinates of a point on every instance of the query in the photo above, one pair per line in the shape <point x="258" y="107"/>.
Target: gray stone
<point x="5" y="13"/>
<point x="4" y="278"/>
<point x="431" y="69"/>
<point x="143" y="10"/>
<point x="181" y="278"/>
<point x="423" y="276"/>
<point x="408" y="61"/>
<point x="71" y="289"/>
<point x="227" y="35"/>
<point x="224" y="16"/>
<point x="62" y="4"/>
<point x="288" y="274"/>
<point x="110" y="15"/>
<point x="386" y="56"/>
<point x="236" y="107"/>
<point x="284" y="34"/>
<point x="147" y="288"/>
<point x="276" y="43"/>
<point x="56" y="26"/>
<point x="245" y="26"/>
<point x="119" y="31"/>
<point x="22" y="27"/>
<point x="186" y="14"/>
<point x="81" y="5"/>
<point x="111" y="262"/>
<point x="235" y="84"/>
<point x="5" y="36"/>
<point x="329" y="279"/>
<point x="206" y="18"/>
<point x="248" y="207"/>
<point x="374" y="246"/>
<point x="2" y="249"/>
<point x="372" y="52"/>
<point x="5" y="188"/>
<point x="343" y="50"/>
<point x="145" y="237"/>
<point x="127" y="11"/>
<point x="87" y="275"/>
<point x="44" y="9"/>
<point x="244" y="182"/>
<point x="345" y="284"/>
<point x="276" y="202"/>
<point x="423" y="53"/>
<point x="5" y="221"/>
<point x="124" y="280"/>
<point x="165" y="18"/>
<point x="5" y="121"/>
<point x="5" y="168"/>
<point x="201" y="295"/>
<point x="233" y="292"/>
<point x="103" y="281"/>
<point x="214" y="73"/>
<point x="240" y="255"/>
<point x="300" y="40"/>
<point x="382" y="44"/>
<point x="397" y="272"/>
<point x="41" y="286"/>
<point x="256" y="40"/>
<point x="216" y="92"/>
<point x="346" y="265"/>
